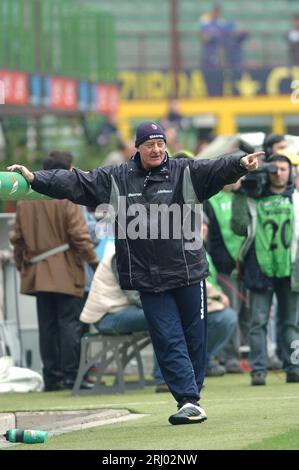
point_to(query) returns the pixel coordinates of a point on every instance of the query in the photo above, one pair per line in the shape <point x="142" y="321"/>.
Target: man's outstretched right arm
<point x="86" y="188"/>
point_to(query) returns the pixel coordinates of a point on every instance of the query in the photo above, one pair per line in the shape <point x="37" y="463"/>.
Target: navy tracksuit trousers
<point x="177" y="321"/>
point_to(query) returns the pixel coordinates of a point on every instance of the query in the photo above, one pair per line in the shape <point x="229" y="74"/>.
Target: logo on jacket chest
<point x="160" y="191"/>
<point x="164" y="191"/>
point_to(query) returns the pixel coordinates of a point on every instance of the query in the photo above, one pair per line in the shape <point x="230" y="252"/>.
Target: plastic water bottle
<point x="29" y="436"/>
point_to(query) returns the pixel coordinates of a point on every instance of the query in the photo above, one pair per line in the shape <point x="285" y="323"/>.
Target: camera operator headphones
<point x="269" y="141"/>
<point x="282" y="155"/>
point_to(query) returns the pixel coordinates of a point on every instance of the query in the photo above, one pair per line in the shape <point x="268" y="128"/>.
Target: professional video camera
<point x="254" y="182"/>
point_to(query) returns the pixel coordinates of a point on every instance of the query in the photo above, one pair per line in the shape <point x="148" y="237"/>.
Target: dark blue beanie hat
<point x="148" y="130"/>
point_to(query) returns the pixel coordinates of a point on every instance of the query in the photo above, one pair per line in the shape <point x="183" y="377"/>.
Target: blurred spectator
<point x="273" y="143"/>
<point x="293" y="41"/>
<point x="123" y="152"/>
<point x="203" y="143"/>
<point x="173" y="142"/>
<point x="50" y="242"/>
<point x="222" y="320"/>
<point x="222" y="45"/>
<point x="234" y="51"/>
<point x="222" y="324"/>
<point x="211" y="28"/>
<point x="269" y="258"/>
<point x="91" y="223"/>
<point x="174" y="118"/>
<point x="223" y="246"/>
<point x="107" y="131"/>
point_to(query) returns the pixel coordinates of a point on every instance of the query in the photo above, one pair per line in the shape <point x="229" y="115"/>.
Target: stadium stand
<point x="140" y="30"/>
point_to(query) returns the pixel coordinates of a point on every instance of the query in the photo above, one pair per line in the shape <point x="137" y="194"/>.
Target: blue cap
<point x="147" y="131"/>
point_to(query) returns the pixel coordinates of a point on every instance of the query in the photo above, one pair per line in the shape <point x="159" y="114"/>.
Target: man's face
<point x="215" y="13"/>
<point x="279" y="146"/>
<point x="280" y="179"/>
<point x="152" y="153"/>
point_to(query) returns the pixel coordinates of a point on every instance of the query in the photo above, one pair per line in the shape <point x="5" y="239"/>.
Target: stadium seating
<point x="266" y="45"/>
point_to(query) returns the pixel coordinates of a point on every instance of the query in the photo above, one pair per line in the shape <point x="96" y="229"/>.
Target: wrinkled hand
<point x="23" y="170"/>
<point x="251" y="161"/>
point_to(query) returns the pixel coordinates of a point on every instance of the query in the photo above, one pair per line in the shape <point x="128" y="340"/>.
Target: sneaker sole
<point x="174" y="421"/>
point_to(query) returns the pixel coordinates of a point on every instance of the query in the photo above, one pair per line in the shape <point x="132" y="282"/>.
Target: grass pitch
<point x="239" y="417"/>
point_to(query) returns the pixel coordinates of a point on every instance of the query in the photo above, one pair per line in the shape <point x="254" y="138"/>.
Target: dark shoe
<point x="189" y="413"/>
<point x="215" y="370"/>
<point x="162" y="388"/>
<point x="258" y="378"/>
<point x="292" y="377"/>
<point x="53" y="387"/>
<point x="68" y="384"/>
<point x="233" y="367"/>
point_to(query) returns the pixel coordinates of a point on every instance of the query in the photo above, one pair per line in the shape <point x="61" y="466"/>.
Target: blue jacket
<point x="148" y="264"/>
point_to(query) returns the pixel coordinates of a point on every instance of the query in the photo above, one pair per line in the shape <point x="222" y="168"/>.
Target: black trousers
<point x="60" y="331"/>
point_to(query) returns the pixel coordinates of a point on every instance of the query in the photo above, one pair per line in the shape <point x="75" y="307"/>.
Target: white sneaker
<point x="188" y="414"/>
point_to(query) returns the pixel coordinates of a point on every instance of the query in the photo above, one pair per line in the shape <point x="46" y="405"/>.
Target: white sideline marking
<point x="94" y="424"/>
<point x="125" y="405"/>
<point x="251" y="398"/>
<point x="112" y="405"/>
<point x="203" y="399"/>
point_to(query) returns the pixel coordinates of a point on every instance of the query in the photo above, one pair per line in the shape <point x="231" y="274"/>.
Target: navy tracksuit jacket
<point x="169" y="277"/>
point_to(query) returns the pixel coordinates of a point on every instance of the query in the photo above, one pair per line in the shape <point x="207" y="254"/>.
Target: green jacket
<point x="244" y="220"/>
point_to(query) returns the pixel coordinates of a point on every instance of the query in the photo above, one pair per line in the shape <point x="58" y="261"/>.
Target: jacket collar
<point x="286" y="193"/>
<point x="136" y="165"/>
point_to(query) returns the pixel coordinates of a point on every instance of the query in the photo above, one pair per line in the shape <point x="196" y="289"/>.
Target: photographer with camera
<point x="274" y="143"/>
<point x="267" y="212"/>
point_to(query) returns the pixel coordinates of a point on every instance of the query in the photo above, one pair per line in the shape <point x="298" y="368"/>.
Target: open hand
<point x="28" y="175"/>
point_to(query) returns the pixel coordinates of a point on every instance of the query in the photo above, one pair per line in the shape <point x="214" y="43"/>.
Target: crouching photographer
<point x="266" y="212"/>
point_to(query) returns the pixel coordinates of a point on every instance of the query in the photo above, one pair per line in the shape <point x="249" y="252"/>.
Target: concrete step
<point x="60" y="422"/>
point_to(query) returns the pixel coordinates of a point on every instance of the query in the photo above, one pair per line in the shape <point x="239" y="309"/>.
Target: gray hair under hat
<point x="147" y="131"/>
